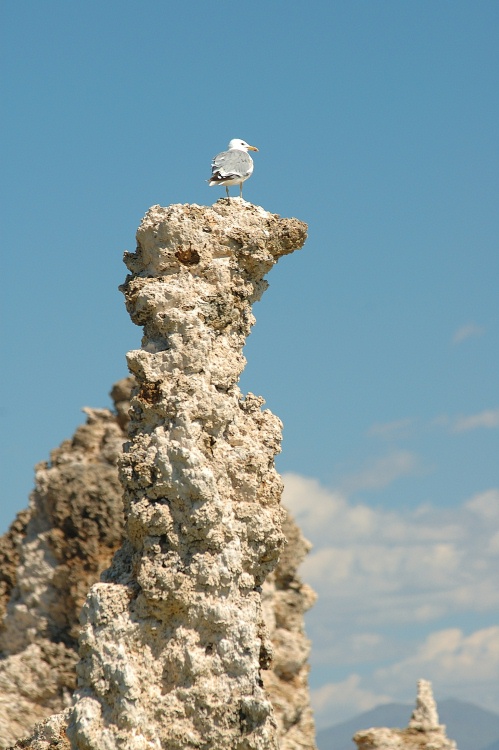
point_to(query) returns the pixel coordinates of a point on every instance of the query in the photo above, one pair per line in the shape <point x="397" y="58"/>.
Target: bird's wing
<point x="232" y="164"/>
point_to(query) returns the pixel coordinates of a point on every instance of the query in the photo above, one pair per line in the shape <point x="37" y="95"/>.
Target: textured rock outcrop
<point x="173" y="640"/>
<point x="49" y="734"/>
<point x="422" y="733"/>
<point x="285" y="597"/>
<point x="49" y="558"/>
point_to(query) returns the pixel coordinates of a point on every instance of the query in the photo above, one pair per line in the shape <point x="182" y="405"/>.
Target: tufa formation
<point x="49" y="558"/>
<point x="422" y="733"/>
<point x="173" y="639"/>
<point x="81" y="481"/>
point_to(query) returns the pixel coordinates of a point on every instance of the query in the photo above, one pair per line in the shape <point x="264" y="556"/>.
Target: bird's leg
<point x="241" y="190"/>
<point x="227" y="191"/>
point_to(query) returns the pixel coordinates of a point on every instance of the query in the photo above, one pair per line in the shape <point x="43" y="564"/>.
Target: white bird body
<point x="232" y="167"/>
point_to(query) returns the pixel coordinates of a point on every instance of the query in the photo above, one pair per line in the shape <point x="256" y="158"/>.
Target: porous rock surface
<point x="38" y="679"/>
<point x="285" y="599"/>
<point x="171" y="621"/>
<point x="49" y="558"/>
<point x="422" y="733"/>
<point x="173" y="640"/>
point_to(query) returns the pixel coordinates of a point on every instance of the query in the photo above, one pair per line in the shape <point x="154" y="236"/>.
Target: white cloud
<point x="391" y="430"/>
<point x="388" y="581"/>
<point x="452" y="661"/>
<point x="381" y="472"/>
<point x="488" y="418"/>
<point x="339" y="701"/>
<point x="485" y="504"/>
<point x="339" y="647"/>
<point x="387" y="568"/>
<point x="458" y="665"/>
<point x="448" y="654"/>
<point x="467" y="331"/>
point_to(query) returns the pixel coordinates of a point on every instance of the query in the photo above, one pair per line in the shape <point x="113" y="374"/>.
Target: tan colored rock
<point x="10" y="550"/>
<point x="425" y="716"/>
<point x="423" y="731"/>
<point x="49" y="558"/>
<point x="39" y="679"/>
<point x="50" y="734"/>
<point x="285" y="599"/>
<point x="173" y="640"/>
<point x="60" y="554"/>
<point x="287" y="684"/>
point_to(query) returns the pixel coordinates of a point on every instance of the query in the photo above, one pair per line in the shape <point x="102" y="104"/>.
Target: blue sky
<point x="377" y="344"/>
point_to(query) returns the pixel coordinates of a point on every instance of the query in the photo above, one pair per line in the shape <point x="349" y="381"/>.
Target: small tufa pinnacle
<point x="422" y="733"/>
<point x="425" y="715"/>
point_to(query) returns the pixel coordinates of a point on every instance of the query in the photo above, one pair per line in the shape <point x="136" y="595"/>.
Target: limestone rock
<point x="37" y="680"/>
<point x="59" y="553"/>
<point x="285" y="599"/>
<point x="424" y="717"/>
<point x="10" y="546"/>
<point x="98" y="443"/>
<point x="423" y="731"/>
<point x="49" y="734"/>
<point x="173" y="639"/>
<point x="49" y="558"/>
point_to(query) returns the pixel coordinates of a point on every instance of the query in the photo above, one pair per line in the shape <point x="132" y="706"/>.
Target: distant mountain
<point x="471" y="727"/>
<point x="339" y="736"/>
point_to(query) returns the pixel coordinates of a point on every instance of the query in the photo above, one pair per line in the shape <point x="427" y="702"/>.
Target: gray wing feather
<point x="234" y="163"/>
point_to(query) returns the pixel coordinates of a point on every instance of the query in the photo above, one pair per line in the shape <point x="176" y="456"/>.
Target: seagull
<point x="232" y="167"/>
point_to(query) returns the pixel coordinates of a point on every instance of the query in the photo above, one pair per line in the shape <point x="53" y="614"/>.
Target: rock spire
<point x="73" y="473"/>
<point x="422" y="733"/>
<point x="173" y="640"/>
<point x="424" y="717"/>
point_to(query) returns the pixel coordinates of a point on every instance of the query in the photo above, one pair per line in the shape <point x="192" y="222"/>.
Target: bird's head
<point x="240" y="145"/>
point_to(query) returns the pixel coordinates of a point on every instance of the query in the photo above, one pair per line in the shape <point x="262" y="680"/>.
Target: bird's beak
<point x="252" y="148"/>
